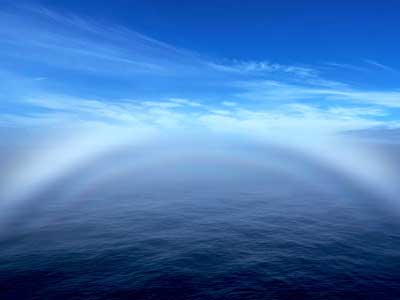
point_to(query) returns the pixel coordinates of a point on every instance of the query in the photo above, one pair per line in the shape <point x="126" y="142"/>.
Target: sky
<point x="233" y="66"/>
<point x="88" y="78"/>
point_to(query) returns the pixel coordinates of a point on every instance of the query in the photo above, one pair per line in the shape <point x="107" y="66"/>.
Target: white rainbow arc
<point x="52" y="159"/>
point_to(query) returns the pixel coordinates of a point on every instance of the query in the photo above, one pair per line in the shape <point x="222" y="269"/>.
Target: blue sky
<point x="255" y="66"/>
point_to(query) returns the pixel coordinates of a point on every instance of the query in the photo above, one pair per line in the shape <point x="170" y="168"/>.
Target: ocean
<point x="202" y="228"/>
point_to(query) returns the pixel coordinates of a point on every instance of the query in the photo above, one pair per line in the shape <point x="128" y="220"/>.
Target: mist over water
<point x="205" y="217"/>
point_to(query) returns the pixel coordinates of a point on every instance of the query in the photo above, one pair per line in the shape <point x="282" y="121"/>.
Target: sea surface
<point x="202" y="229"/>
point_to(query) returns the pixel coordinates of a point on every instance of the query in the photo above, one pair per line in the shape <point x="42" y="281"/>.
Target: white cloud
<point x="280" y="91"/>
<point x="229" y="103"/>
<point x="287" y="117"/>
<point x="245" y="67"/>
<point x="118" y="51"/>
<point x="379" y="65"/>
<point x="70" y="42"/>
<point x="346" y="66"/>
<point x="185" y="102"/>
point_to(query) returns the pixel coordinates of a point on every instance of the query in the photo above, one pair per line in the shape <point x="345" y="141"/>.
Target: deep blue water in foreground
<point x="249" y="234"/>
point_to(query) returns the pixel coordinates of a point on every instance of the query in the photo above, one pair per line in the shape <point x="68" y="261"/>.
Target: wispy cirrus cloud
<point x="248" y="67"/>
<point x="63" y="111"/>
<point x="281" y="91"/>
<point x="39" y="35"/>
<point x="346" y="66"/>
<point x="379" y="65"/>
<point x="181" y="88"/>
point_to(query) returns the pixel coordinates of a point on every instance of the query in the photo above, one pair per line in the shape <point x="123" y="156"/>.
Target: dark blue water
<point x="250" y="234"/>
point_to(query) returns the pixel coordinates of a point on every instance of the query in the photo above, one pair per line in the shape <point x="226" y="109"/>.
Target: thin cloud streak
<point x="379" y="65"/>
<point x="248" y="67"/>
<point x="281" y="91"/>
